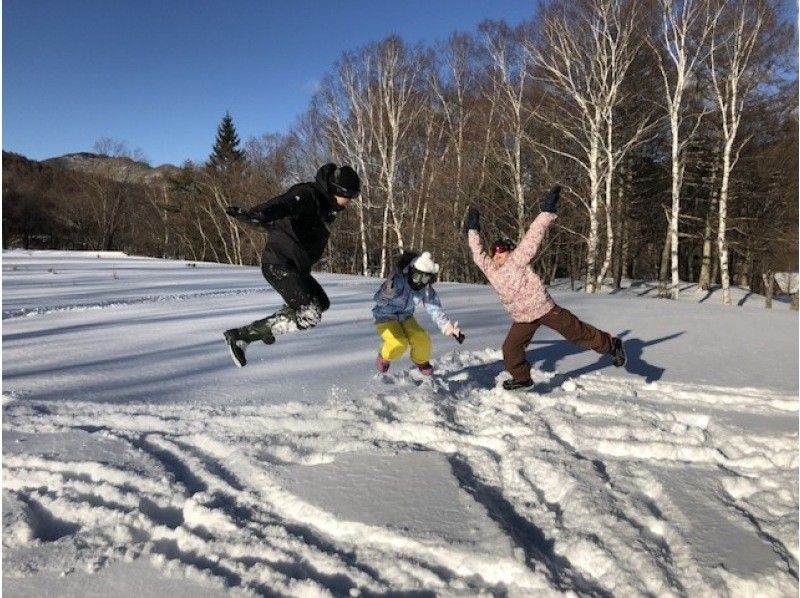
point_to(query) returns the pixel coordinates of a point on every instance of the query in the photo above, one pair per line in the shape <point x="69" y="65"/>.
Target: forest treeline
<point x="672" y="127"/>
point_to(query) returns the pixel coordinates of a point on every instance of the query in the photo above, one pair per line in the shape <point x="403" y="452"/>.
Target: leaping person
<point x="297" y="224"/>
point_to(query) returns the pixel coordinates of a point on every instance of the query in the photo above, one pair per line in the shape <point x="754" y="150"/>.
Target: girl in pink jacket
<point x="526" y="299"/>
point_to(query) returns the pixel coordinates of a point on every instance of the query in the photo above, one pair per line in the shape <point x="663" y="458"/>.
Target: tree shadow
<point x="744" y="299"/>
<point x="707" y="297"/>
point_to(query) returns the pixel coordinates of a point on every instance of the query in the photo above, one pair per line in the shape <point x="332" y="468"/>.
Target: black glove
<point x="551" y="199"/>
<point x="459" y="337"/>
<point x="473" y="220"/>
<point x="254" y="220"/>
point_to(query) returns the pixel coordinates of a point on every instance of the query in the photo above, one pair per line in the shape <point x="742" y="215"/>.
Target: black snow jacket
<point x="298" y="222"/>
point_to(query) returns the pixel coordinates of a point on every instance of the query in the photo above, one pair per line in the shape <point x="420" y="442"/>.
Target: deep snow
<point x="138" y="460"/>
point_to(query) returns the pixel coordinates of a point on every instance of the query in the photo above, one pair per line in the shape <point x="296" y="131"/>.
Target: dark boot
<point x="426" y="369"/>
<point x="237" y="339"/>
<point x="617" y="352"/>
<point x="260" y="330"/>
<point x="236" y="345"/>
<point x="282" y="321"/>
<point x="517" y="384"/>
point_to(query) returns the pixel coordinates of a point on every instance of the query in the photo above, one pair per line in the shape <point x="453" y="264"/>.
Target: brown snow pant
<point x="562" y="321"/>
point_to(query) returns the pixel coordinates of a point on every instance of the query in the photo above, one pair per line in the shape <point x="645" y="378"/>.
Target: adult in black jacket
<point x="297" y="224"/>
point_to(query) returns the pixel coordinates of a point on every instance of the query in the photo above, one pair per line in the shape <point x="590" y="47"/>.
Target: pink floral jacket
<point x="521" y="290"/>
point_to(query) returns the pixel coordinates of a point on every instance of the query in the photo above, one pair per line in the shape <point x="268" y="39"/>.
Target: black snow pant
<point x="304" y="303"/>
<point x="300" y="291"/>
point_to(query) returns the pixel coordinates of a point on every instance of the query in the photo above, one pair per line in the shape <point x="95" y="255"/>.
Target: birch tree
<point x="453" y="88"/>
<point x="735" y="73"/>
<point x="399" y="72"/>
<point x="380" y="103"/>
<point x="510" y="76"/>
<point x="349" y="116"/>
<point x="680" y="49"/>
<point x="582" y="58"/>
<point x="619" y="48"/>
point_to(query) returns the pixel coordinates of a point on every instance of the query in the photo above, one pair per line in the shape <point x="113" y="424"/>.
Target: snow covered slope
<point x="137" y="459"/>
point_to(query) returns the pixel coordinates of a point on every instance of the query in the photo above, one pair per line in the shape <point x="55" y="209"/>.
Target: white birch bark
<point x="685" y="28"/>
<point x="370" y="122"/>
<point x="583" y="57"/>
<point x="730" y="61"/>
<point x="511" y="71"/>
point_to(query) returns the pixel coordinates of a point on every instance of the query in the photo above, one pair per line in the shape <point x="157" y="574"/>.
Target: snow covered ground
<point x="137" y="460"/>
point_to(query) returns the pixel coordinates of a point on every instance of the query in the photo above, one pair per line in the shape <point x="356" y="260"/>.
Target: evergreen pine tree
<point x="226" y="153"/>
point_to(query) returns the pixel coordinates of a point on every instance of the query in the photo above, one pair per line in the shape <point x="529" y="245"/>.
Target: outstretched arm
<point x="530" y="243"/>
<point x="291" y="203"/>
<point x="430" y="298"/>
<point x="474" y="240"/>
<point x="532" y="240"/>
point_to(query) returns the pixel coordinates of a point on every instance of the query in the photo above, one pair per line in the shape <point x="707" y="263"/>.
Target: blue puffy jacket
<point x="396" y="300"/>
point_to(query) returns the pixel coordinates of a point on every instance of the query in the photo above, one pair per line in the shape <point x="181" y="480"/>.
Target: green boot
<point x="282" y="321"/>
<point x="237" y="339"/>
<point x="260" y="330"/>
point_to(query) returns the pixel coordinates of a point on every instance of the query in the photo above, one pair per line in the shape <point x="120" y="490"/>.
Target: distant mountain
<point x="120" y="169"/>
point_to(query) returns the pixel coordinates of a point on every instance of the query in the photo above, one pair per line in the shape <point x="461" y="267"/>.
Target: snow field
<point x="585" y="501"/>
<point x="338" y="481"/>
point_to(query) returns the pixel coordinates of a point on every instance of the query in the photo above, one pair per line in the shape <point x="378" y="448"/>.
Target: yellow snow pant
<point x="399" y="335"/>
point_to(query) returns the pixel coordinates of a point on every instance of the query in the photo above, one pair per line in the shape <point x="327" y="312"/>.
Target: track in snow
<point x="580" y="481"/>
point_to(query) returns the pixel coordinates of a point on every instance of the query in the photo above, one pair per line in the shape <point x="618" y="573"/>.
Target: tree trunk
<point x="663" y="273"/>
<point x="769" y="288"/>
<point x="706" y="270"/>
<point x="362" y="237"/>
<point x="677" y="172"/>
<point x="722" y="244"/>
<point x="619" y="223"/>
<point x="704" y="280"/>
<point x="384" y="238"/>
<point x="594" y="234"/>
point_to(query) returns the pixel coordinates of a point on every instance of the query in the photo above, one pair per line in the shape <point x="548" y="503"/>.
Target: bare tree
<point x="583" y="56"/>
<point x="737" y="68"/>
<point x="108" y="188"/>
<point x="624" y="129"/>
<point x="680" y="48"/>
<point x="349" y="114"/>
<point x="509" y="79"/>
<point x="453" y="86"/>
<point x="377" y="105"/>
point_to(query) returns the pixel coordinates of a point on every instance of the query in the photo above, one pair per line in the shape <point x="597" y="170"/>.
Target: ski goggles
<point x="343" y="192"/>
<point x="422" y="278"/>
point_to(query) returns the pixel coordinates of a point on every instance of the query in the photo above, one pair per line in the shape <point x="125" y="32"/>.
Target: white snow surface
<point x="139" y="461"/>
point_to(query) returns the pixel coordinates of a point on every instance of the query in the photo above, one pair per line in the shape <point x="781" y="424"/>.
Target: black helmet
<point x="344" y="182"/>
<point x="502" y="245"/>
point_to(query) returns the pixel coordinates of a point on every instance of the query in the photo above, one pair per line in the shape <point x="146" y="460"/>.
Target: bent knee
<point x="395" y="350"/>
<point x="308" y="316"/>
<point x="394" y="345"/>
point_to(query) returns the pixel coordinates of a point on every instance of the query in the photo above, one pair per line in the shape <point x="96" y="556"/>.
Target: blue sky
<point x="160" y="74"/>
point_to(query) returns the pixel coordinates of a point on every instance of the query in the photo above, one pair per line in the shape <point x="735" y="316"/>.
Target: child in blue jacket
<point x="395" y="302"/>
